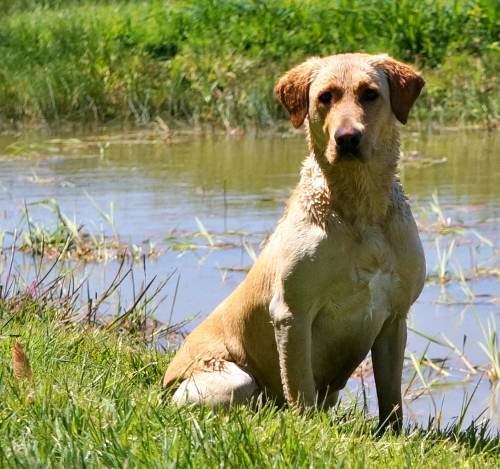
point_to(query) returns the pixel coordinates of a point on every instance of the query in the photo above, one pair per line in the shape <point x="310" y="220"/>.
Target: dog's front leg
<point x="387" y="356"/>
<point x="293" y="338"/>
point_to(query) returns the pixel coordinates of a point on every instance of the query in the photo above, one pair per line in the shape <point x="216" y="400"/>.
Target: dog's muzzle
<point x="348" y="141"/>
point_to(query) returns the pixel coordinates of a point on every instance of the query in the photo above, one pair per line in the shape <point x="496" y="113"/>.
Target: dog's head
<point x="351" y="100"/>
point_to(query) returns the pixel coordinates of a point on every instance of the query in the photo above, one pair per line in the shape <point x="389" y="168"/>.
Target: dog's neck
<point x="359" y="193"/>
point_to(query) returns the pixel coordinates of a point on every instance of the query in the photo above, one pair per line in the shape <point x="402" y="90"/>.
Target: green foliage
<point x="217" y="60"/>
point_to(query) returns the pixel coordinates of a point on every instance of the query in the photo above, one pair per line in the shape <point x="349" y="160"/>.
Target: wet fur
<point x="345" y="263"/>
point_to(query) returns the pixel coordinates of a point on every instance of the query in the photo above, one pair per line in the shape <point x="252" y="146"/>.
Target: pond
<point x="231" y="191"/>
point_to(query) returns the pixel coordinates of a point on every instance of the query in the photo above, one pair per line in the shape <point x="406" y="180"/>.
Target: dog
<point x="343" y="267"/>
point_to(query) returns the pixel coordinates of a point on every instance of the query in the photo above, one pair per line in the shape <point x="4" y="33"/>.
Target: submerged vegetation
<point x="216" y="61"/>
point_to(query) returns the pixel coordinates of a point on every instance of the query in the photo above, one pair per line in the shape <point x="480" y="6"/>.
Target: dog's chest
<point x="336" y="264"/>
<point x="354" y="305"/>
<point x="347" y="284"/>
<point x="345" y="326"/>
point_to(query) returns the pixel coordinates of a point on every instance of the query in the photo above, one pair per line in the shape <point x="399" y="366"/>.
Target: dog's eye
<point x="325" y="97"/>
<point x="370" y="95"/>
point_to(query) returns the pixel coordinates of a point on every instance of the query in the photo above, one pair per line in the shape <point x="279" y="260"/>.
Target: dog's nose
<point x="348" y="138"/>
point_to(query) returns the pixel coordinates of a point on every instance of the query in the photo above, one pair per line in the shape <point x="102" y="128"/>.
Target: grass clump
<point x="217" y="61"/>
<point x="66" y="238"/>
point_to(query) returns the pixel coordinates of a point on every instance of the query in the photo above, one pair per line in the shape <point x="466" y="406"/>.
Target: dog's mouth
<point x="349" y="154"/>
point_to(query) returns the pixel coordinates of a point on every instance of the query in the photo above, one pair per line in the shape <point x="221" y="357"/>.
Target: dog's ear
<point x="293" y="90"/>
<point x="405" y="85"/>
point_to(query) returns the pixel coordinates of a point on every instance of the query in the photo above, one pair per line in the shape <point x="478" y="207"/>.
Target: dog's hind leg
<point x="227" y="384"/>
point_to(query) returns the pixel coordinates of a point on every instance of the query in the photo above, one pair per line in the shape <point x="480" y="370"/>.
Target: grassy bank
<point x="217" y="61"/>
<point x="95" y="401"/>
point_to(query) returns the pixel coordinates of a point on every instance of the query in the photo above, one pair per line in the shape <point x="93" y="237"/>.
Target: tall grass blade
<point x="204" y="232"/>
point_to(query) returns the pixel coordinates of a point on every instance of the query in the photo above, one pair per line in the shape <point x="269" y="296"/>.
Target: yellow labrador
<point x="344" y="265"/>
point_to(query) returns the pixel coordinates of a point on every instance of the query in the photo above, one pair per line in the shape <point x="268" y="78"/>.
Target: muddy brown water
<point x="242" y="184"/>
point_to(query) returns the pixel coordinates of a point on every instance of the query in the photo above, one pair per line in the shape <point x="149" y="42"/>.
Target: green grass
<point x="95" y="401"/>
<point x="217" y="61"/>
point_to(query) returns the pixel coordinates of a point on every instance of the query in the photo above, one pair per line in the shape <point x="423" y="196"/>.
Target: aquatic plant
<point x="66" y="238"/>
